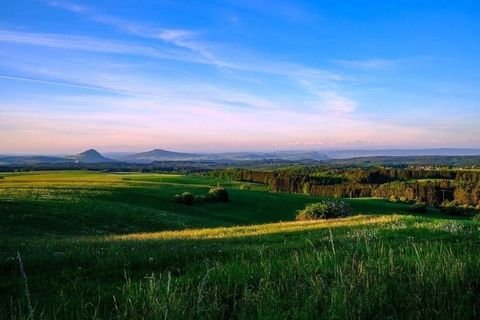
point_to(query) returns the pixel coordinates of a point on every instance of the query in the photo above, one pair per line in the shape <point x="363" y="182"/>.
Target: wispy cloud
<point x="328" y="100"/>
<point x="333" y="101"/>
<point x="370" y="64"/>
<point x="169" y="95"/>
<point x="189" y="40"/>
<point x="181" y="38"/>
<point x="178" y="37"/>
<point x="210" y="99"/>
<point x="93" y="44"/>
<point x="102" y="45"/>
<point x="67" y="6"/>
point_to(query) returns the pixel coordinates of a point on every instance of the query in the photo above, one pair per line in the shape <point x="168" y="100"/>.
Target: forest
<point x="435" y="187"/>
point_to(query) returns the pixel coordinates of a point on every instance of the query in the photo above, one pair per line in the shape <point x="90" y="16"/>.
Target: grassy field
<point x="103" y="245"/>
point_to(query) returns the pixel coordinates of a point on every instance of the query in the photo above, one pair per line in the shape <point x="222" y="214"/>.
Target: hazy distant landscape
<point x="234" y="159"/>
<point x="147" y="157"/>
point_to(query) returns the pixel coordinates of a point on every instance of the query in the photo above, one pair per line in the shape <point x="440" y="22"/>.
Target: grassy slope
<point x="82" y="203"/>
<point x="86" y="237"/>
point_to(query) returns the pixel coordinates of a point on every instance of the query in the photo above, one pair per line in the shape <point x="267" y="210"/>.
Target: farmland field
<point x="116" y="245"/>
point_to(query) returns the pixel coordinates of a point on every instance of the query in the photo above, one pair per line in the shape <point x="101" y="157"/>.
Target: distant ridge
<point x="349" y="154"/>
<point x="159" y="155"/>
<point x="457" y="161"/>
<point x="165" y="155"/>
<point x="31" y="160"/>
<point x="276" y="155"/>
<point x="458" y="156"/>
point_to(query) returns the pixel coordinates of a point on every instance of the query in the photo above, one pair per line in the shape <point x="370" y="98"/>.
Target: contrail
<point x="57" y="83"/>
<point x="81" y="86"/>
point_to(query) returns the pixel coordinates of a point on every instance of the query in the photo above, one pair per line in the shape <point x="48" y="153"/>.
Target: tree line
<point x="422" y="185"/>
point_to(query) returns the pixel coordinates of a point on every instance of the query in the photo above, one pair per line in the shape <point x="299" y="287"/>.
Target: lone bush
<point x="419" y="207"/>
<point x="326" y="209"/>
<point x="217" y="194"/>
<point x="451" y="208"/>
<point x="185" y="198"/>
<point x="394" y="199"/>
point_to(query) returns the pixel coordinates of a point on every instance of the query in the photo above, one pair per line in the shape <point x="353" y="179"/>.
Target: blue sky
<point x="238" y="75"/>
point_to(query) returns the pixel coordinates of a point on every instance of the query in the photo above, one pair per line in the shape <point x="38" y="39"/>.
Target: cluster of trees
<point x="326" y="209"/>
<point x="433" y="187"/>
<point x="215" y="194"/>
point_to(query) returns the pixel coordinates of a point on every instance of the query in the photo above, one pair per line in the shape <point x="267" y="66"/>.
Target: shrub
<point x="447" y="203"/>
<point x="217" y="194"/>
<point x="403" y="199"/>
<point x="245" y="186"/>
<point x="393" y="199"/>
<point x="451" y="208"/>
<point x="419" y="207"/>
<point x="476" y="217"/>
<point x="327" y="209"/>
<point x="185" y="198"/>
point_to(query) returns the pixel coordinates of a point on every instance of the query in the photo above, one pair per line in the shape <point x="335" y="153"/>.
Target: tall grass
<point x="372" y="281"/>
<point x="384" y="270"/>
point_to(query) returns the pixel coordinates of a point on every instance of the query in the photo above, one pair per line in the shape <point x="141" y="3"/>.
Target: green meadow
<point x="117" y="246"/>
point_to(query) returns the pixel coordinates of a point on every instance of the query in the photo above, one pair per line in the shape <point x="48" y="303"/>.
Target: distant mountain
<point x="160" y="155"/>
<point x="90" y="156"/>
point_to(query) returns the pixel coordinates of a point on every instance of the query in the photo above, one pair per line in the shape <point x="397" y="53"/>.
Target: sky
<point x="238" y="75"/>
